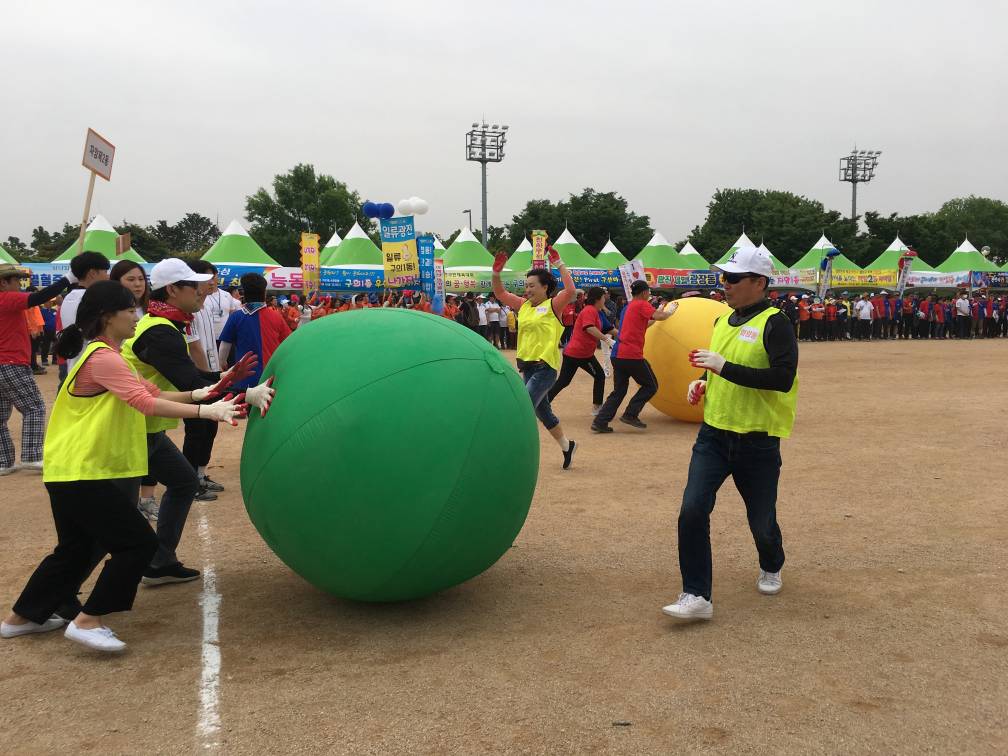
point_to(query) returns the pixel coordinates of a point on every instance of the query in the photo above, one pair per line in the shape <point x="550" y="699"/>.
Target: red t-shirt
<point x="630" y="341"/>
<point x="803" y="310"/>
<point x="15" y="345"/>
<point x="582" y="344"/>
<point x="567" y="317"/>
<point x="831" y="312"/>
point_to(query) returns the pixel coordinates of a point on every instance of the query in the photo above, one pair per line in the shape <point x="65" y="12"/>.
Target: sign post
<point x="539" y="250"/>
<point x="98" y="155"/>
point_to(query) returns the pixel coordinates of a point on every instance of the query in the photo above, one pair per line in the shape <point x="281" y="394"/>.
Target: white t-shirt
<point x="208" y="323"/>
<point x="68" y="315"/>
<point x="502" y="315"/>
<point x="306" y="311"/>
<point x="219" y="307"/>
<point x="863" y="308"/>
<point x="482" y="313"/>
<point x="962" y="306"/>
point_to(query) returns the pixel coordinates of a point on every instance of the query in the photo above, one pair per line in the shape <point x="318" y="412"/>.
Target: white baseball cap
<point x="172" y="270"/>
<point x="747" y="260"/>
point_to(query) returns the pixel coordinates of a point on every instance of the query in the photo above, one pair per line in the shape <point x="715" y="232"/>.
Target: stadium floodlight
<point x="858" y="168"/>
<point x="485" y="144"/>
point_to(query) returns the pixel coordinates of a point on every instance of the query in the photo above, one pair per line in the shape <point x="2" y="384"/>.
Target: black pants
<point x="90" y="516"/>
<point x="174" y="472"/>
<point x="623" y="371"/>
<point x="570" y="366"/>
<point x="753" y="460"/>
<point x="46" y="343"/>
<point x="198" y="442"/>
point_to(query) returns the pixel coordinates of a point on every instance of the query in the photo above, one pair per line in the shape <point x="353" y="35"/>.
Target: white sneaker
<point x="7" y="470"/>
<point x="690" y="607"/>
<point x="149" y="508"/>
<point x="13" y="631"/>
<point x="596" y="408"/>
<point x="769" y="583"/>
<point x="99" y="638"/>
<point x="32" y="466"/>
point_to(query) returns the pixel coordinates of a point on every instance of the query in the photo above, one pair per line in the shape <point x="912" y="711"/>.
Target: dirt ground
<point x="890" y="635"/>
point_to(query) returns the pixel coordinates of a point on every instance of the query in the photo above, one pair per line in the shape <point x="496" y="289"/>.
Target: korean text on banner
<point x="425" y="253"/>
<point x="630" y="272"/>
<point x="399" y="252"/>
<point x="538" y="250"/>
<point x="864" y="278"/>
<point x="311" y="273"/>
<point x="437" y="301"/>
<point x="905" y="266"/>
<point x="98" y="154"/>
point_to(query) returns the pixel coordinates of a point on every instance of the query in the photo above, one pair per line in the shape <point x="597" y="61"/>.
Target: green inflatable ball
<point x="398" y="458"/>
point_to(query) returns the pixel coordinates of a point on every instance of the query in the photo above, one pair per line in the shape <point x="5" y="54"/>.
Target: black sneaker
<point x="635" y="422"/>
<point x="569" y="454"/>
<point x="211" y="485"/>
<point x="173" y="573"/>
<point x="601" y="428"/>
<point x="205" y="494"/>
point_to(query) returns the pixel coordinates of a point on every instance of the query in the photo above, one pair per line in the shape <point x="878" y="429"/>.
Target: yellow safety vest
<point x="539" y="332"/>
<point x="148" y="372"/>
<point x="93" y="437"/>
<point x="731" y="407"/>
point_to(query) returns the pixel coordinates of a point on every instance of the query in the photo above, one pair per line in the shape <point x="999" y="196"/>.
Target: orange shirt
<point x="803" y="310"/>
<point x="450" y="311"/>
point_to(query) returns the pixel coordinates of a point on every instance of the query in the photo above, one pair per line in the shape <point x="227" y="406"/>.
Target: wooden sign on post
<point x="123" y="244"/>
<point x="98" y="155"/>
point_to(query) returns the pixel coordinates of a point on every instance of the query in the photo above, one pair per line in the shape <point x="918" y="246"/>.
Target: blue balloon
<point x="386" y="210"/>
<point x="370" y="209"/>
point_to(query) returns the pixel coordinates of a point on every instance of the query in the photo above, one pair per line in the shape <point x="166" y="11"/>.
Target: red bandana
<point x="171" y="312"/>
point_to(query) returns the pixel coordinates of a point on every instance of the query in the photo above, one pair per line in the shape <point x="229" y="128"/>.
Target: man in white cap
<point x="159" y="352"/>
<point x="751" y="389"/>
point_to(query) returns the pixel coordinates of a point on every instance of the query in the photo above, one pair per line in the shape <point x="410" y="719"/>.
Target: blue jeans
<point x="753" y="460"/>
<point x="539" y="379"/>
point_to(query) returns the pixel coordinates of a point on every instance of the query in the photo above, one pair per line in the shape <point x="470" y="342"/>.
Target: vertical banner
<point x="630" y="272"/>
<point x="425" y="253"/>
<point x="539" y="250"/>
<point x="399" y="250"/>
<point x="826" y="274"/>
<point x="311" y="272"/>
<point x="905" y="264"/>
<point x="437" y="301"/>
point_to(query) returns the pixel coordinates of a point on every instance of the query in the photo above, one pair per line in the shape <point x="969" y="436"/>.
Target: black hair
<point x="594" y="294"/>
<point x="202" y="266"/>
<point x="546" y="278"/>
<point x="85" y="262"/>
<point x="100" y="299"/>
<point x="123" y="267"/>
<point x="358" y="296"/>
<point x="254" y="287"/>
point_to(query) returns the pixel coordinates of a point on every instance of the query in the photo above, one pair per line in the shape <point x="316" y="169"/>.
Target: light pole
<point x="485" y="144"/>
<point x="469" y="213"/>
<point x="858" y="168"/>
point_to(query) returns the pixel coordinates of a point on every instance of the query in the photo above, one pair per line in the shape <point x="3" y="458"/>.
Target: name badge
<point x="748" y="334"/>
<point x="542" y="309"/>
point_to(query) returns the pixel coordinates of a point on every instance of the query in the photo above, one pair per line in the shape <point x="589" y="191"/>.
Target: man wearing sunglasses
<point x="750" y="389"/>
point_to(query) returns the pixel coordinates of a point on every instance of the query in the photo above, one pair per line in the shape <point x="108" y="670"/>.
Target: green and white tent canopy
<point x="329" y="249"/>
<point x="521" y="258"/>
<point x="356" y="251"/>
<point x="966" y="257"/>
<point x="236" y="247"/>
<point x="467" y="252"/>
<point x="5" y="257"/>
<point x="100" y="237"/>
<point x="745" y="241"/>
<point x="814" y="257"/>
<point x="691" y="259"/>
<point x="658" y="253"/>
<point x="610" y="257"/>
<point x="572" y="253"/>
<point x="777" y="264"/>
<point x="889" y="259"/>
<point x="439" y="249"/>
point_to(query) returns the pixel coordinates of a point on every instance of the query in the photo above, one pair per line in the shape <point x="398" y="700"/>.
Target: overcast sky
<point x="661" y="102"/>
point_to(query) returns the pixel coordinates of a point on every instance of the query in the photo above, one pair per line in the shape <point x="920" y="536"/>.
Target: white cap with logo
<point x="747" y="260"/>
<point x="172" y="270"/>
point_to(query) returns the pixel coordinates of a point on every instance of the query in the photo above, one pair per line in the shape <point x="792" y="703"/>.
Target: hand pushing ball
<point x="398" y="458"/>
<point x="667" y="347"/>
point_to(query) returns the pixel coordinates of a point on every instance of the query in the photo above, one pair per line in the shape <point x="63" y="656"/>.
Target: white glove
<point x="69" y="276"/>
<point x="200" y="394"/>
<point x="671" y="307"/>
<point x="608" y="341"/>
<point x="260" y="396"/>
<point x="223" y="411"/>
<point x="701" y="358"/>
<point x="696" y="391"/>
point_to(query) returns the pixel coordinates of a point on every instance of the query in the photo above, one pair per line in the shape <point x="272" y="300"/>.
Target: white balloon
<point x="420" y="206"/>
<point x="405" y="207"/>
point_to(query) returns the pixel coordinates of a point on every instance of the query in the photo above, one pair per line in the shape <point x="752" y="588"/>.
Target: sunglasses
<point x="734" y="278"/>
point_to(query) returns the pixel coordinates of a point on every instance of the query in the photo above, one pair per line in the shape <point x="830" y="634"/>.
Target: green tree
<point x="17" y="248"/>
<point x="982" y="219"/>
<point x="593" y="217"/>
<point x="194" y="234"/>
<point x="301" y="200"/>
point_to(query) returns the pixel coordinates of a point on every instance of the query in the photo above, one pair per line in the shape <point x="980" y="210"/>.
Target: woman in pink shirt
<point x="94" y="455"/>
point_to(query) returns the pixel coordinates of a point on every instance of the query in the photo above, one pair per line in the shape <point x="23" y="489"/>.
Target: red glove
<point x="499" y="262"/>
<point x="554" y="256"/>
<point x="238" y="372"/>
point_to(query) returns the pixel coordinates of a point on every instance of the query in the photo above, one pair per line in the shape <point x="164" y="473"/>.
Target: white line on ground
<point x="208" y="727"/>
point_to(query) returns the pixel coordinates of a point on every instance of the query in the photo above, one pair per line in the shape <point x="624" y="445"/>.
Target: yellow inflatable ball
<point x="667" y="346"/>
